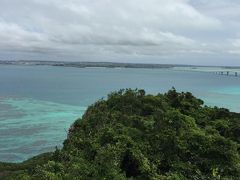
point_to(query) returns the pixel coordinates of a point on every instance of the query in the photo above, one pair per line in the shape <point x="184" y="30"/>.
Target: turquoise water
<point x="29" y="127"/>
<point x="39" y="103"/>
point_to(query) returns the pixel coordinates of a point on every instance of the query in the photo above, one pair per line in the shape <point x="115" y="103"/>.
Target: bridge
<point x="228" y="73"/>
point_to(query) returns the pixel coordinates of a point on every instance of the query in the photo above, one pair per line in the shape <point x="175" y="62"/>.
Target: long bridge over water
<point x="228" y="73"/>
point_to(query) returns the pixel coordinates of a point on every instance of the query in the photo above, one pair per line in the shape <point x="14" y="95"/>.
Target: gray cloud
<point x="77" y="29"/>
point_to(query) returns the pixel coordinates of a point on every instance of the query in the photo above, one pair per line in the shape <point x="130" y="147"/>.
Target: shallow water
<point x="39" y="103"/>
<point x="29" y="127"/>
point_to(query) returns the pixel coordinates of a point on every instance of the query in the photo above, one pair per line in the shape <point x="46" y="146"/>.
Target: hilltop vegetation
<point x="132" y="135"/>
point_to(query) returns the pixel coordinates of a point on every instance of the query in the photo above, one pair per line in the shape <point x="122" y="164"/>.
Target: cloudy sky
<point x="150" y="31"/>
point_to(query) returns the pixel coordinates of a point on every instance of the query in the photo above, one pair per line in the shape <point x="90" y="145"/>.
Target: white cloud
<point x="92" y="27"/>
<point x="236" y="43"/>
<point x="235" y="48"/>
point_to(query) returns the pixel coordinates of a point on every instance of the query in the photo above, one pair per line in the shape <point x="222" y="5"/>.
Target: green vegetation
<point x="132" y="135"/>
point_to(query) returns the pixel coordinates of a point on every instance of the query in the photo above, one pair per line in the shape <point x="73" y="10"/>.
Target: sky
<point x="199" y="32"/>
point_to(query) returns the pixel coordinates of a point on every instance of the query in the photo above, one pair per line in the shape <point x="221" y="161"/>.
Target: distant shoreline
<point x="101" y="64"/>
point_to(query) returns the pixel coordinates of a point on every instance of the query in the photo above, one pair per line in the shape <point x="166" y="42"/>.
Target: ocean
<point x="39" y="103"/>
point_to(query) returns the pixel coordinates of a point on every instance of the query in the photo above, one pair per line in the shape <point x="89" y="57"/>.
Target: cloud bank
<point x="144" y="30"/>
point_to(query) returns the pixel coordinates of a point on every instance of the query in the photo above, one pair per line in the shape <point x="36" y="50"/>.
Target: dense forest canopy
<point x="133" y="135"/>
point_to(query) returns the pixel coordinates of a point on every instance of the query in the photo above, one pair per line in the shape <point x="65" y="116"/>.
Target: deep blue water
<point x="39" y="103"/>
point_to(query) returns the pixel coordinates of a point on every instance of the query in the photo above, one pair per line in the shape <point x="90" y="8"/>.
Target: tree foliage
<point x="133" y="135"/>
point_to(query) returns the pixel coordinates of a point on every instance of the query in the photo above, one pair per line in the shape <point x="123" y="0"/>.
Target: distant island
<point x="87" y="64"/>
<point x="83" y="64"/>
<point x="134" y="135"/>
